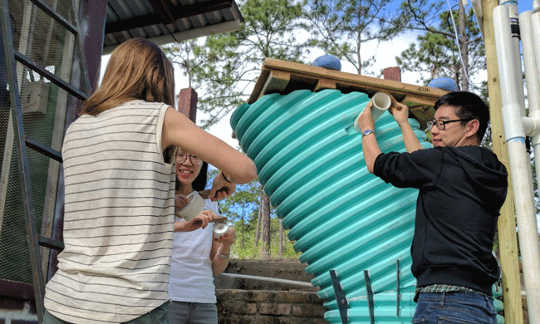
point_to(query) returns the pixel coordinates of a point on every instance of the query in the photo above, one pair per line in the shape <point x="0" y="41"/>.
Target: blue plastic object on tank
<point x="328" y="61"/>
<point x="309" y="159"/>
<point x="444" y="83"/>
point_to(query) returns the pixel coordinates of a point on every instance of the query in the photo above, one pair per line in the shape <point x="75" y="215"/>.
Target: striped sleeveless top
<point x="118" y="218"/>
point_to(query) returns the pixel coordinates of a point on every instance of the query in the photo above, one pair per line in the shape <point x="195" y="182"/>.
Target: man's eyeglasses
<point x="183" y="157"/>
<point x="441" y="124"/>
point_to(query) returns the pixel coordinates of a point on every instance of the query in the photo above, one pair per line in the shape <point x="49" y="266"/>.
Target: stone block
<point x="307" y="310"/>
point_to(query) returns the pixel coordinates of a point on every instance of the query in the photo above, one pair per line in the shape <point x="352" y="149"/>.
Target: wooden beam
<point x="355" y="80"/>
<point x="176" y="13"/>
<point x="277" y="81"/>
<point x="325" y="84"/>
<point x="261" y="80"/>
<point x="508" y="247"/>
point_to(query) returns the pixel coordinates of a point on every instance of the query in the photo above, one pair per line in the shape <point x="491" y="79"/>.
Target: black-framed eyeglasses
<point x="441" y="124"/>
<point x="183" y="157"/>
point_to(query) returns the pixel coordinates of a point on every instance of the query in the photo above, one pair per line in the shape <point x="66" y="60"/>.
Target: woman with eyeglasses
<point x="119" y="192"/>
<point x="198" y="255"/>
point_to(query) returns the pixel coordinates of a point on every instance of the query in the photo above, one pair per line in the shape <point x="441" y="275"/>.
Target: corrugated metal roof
<point x="167" y="21"/>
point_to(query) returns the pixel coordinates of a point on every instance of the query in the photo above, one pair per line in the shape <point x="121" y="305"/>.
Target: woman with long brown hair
<point x="119" y="180"/>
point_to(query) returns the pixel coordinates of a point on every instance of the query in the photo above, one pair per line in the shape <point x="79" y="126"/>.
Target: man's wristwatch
<point x="367" y="132"/>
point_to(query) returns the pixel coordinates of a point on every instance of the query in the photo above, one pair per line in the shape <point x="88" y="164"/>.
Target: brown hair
<point x="137" y="69"/>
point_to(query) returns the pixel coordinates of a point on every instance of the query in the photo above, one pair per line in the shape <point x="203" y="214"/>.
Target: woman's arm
<point x="201" y="220"/>
<point x="178" y="130"/>
<point x="221" y="250"/>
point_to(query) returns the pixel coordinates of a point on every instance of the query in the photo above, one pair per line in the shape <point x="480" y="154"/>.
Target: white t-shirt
<point x="192" y="279"/>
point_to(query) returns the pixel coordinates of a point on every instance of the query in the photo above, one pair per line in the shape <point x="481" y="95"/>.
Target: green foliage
<point x="243" y="205"/>
<point x="436" y="54"/>
<point x="250" y="250"/>
<point x="242" y="209"/>
<point x="224" y="67"/>
<point x="341" y="27"/>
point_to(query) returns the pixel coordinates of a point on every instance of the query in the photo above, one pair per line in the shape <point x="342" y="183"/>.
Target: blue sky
<point x="523" y="5"/>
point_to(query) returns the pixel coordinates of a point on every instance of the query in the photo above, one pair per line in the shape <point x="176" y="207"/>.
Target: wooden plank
<point x="258" y="85"/>
<point x="508" y="247"/>
<point x="276" y="82"/>
<point x="325" y="84"/>
<point x="412" y="100"/>
<point x="374" y="84"/>
<point x="279" y="76"/>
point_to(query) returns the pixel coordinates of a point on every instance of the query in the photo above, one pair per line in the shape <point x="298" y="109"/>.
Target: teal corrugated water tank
<point x="309" y="159"/>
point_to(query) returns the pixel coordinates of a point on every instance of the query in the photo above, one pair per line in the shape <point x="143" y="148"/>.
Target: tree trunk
<point x="358" y="53"/>
<point x="242" y="230"/>
<point x="280" y="238"/>
<point x="258" y="229"/>
<point x="265" y="227"/>
<point x="463" y="40"/>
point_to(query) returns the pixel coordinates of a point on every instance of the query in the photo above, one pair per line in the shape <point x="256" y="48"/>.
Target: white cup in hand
<point x="193" y="208"/>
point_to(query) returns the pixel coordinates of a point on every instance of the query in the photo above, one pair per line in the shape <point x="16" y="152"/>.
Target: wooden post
<point x="187" y="103"/>
<point x="508" y="248"/>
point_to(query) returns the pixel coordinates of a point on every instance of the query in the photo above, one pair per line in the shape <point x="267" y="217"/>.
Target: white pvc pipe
<point x="381" y="103"/>
<point x="531" y="126"/>
<point x="509" y="63"/>
<point x="532" y="73"/>
<point x="535" y="25"/>
<point x="532" y="76"/>
<point x="269" y="279"/>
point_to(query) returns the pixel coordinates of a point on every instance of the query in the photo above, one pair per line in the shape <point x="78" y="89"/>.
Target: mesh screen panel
<point x="51" y="46"/>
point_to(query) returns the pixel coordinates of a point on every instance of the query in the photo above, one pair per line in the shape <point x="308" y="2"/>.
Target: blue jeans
<point x="452" y="307"/>
<point x="192" y="313"/>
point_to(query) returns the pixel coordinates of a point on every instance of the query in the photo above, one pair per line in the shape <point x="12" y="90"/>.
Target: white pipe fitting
<point x="381" y="102"/>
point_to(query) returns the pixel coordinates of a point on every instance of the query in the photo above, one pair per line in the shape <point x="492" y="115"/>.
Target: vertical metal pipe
<point x="507" y="43"/>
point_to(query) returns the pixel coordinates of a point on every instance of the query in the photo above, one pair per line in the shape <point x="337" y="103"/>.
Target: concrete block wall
<point x="237" y="306"/>
<point x="247" y="301"/>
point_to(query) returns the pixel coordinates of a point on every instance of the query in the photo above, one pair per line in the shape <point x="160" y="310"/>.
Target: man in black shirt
<point x="462" y="188"/>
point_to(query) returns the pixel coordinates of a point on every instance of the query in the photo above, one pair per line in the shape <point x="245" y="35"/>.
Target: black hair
<point x="470" y="106"/>
<point x="200" y="181"/>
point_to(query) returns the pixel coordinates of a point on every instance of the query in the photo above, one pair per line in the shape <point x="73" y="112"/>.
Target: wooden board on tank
<point x="284" y="77"/>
